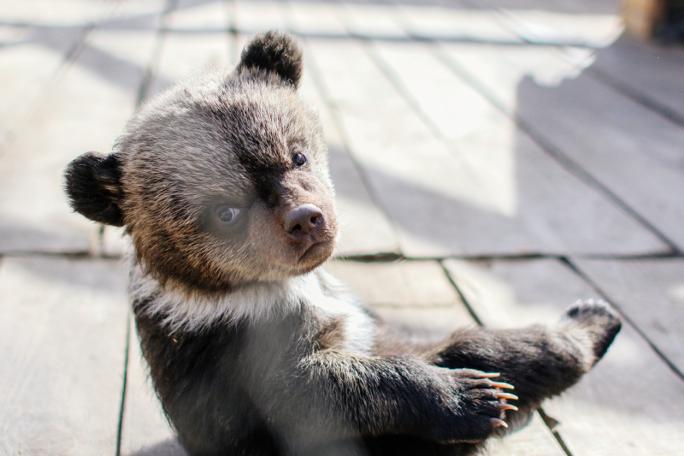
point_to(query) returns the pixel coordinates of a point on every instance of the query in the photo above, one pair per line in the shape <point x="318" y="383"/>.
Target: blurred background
<point x="494" y="160"/>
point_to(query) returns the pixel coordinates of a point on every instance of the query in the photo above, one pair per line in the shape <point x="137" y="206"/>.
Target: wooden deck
<point x="506" y="157"/>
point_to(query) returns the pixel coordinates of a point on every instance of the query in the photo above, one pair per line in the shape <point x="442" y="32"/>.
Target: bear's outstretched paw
<point x="592" y="322"/>
<point x="482" y="404"/>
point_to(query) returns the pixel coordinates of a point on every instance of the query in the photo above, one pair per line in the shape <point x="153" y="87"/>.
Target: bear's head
<point x="222" y="181"/>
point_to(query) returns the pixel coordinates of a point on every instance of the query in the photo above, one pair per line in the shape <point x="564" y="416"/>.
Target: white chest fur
<point x="316" y="290"/>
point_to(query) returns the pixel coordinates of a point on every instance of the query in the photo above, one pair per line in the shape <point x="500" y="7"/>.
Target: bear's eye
<point x="227" y="214"/>
<point x="299" y="159"/>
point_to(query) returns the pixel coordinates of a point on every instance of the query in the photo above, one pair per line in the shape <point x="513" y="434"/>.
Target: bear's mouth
<point x="315" y="254"/>
<point x="311" y="250"/>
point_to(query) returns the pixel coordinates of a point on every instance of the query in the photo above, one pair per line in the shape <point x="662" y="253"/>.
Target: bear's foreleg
<point x="540" y="361"/>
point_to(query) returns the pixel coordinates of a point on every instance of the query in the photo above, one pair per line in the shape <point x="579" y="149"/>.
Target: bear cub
<point x="222" y="185"/>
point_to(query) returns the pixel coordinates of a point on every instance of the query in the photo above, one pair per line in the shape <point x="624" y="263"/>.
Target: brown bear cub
<point x="222" y="185"/>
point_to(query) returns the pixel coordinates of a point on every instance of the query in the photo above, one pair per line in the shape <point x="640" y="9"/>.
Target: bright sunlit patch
<point x="576" y="61"/>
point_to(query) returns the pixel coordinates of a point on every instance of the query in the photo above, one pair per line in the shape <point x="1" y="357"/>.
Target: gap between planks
<point x="556" y="153"/>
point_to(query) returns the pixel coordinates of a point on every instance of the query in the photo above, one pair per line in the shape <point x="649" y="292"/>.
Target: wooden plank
<point x="650" y="73"/>
<point x="601" y="415"/>
<point x="258" y="17"/>
<point x="417" y="296"/>
<point x="27" y="63"/>
<point x="37" y="38"/>
<point x="44" y="14"/>
<point x="591" y="23"/>
<point x="603" y="135"/>
<point x="145" y="430"/>
<point x="315" y="20"/>
<point x="199" y="17"/>
<point x="528" y="195"/>
<point x="83" y="109"/>
<point x="62" y="336"/>
<point x="454" y="21"/>
<point x="211" y="42"/>
<point x="651" y="293"/>
<point x="369" y="19"/>
<point x="405" y="284"/>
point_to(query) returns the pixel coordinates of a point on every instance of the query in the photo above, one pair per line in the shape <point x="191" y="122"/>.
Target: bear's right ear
<point x="93" y="184"/>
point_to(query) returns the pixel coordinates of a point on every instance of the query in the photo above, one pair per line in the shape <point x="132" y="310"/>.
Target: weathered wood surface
<point x="38" y="39"/>
<point x="201" y="17"/>
<point x="28" y="61"/>
<point x="651" y="293"/>
<point x="591" y="23"/>
<point x="650" y="73"/>
<point x="60" y="13"/>
<point x="195" y="43"/>
<point x="628" y="404"/>
<point x="84" y="109"/>
<point x="524" y="195"/>
<point x="401" y="284"/>
<point x="257" y="17"/>
<point x="62" y="336"/>
<point x="361" y="96"/>
<point x="604" y="136"/>
<point x="416" y="296"/>
<point x="455" y="21"/>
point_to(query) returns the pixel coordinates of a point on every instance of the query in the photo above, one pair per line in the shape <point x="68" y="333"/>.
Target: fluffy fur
<point x="315" y="292"/>
<point x="252" y="348"/>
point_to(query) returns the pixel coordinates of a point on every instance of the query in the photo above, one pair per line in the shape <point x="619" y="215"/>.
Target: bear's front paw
<point x="594" y="323"/>
<point x="477" y="406"/>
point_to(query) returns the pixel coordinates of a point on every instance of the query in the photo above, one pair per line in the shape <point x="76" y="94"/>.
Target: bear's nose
<point x="302" y="221"/>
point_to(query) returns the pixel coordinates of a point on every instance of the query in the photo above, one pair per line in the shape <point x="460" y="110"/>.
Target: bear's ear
<point x="273" y="52"/>
<point x="93" y="184"/>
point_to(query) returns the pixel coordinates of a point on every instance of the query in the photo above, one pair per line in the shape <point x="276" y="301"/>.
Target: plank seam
<point x="124" y="385"/>
<point x="640" y="97"/>
<point x="605" y="295"/>
<point x="232" y="30"/>
<point x="555" y="152"/>
<point x="509" y="21"/>
<point x="385" y="257"/>
<point x="567" y="163"/>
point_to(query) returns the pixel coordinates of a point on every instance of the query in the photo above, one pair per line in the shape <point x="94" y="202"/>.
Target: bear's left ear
<point x="273" y="52"/>
<point x="93" y="184"/>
